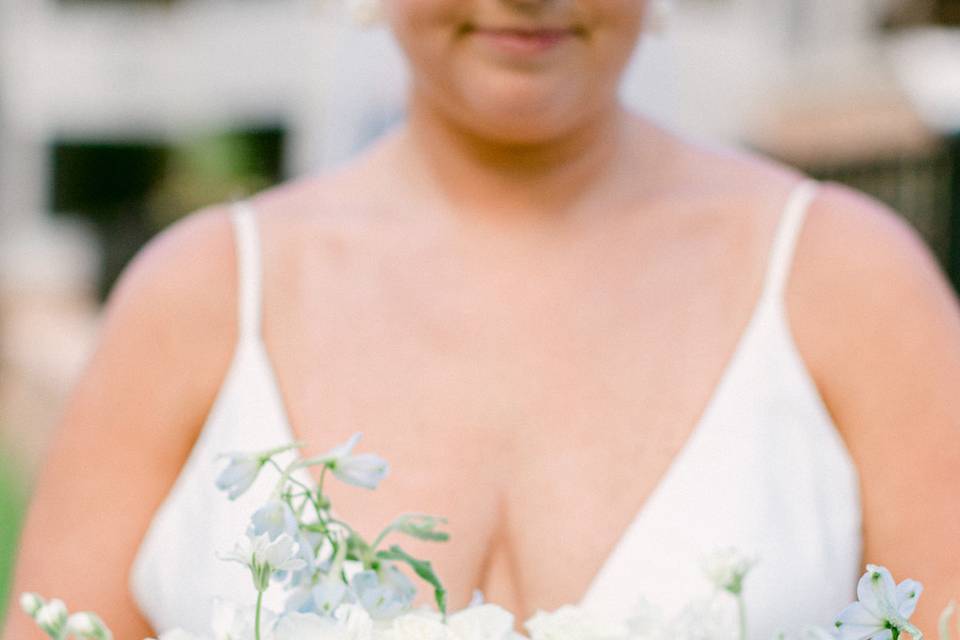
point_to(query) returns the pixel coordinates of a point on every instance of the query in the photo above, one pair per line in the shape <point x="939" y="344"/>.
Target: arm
<point x="880" y="326"/>
<point x="129" y="424"/>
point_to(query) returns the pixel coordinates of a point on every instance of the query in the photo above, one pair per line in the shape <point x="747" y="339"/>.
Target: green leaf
<point x="359" y="550"/>
<point x="422" y="568"/>
<point x="422" y="526"/>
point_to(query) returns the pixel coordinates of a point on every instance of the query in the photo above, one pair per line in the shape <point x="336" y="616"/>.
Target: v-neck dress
<point x="764" y="471"/>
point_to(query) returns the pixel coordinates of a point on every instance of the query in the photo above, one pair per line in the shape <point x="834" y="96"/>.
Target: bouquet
<point x="342" y="587"/>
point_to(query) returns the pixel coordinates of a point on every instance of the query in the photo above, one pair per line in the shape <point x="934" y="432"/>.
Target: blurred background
<point x="117" y="117"/>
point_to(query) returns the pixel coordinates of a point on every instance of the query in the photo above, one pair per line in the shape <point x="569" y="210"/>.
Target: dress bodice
<point x="764" y="471"/>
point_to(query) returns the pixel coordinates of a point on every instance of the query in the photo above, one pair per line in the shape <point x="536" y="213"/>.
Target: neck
<point x="505" y="182"/>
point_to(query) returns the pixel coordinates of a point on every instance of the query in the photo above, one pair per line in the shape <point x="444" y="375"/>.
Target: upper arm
<point x="881" y="324"/>
<point x="130" y="421"/>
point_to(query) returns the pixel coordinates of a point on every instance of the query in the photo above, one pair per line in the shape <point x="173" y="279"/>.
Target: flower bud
<point x="31" y="604"/>
<point x="52" y="618"/>
<point x="89" y="626"/>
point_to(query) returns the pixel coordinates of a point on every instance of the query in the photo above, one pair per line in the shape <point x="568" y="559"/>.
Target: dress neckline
<point x="699" y="426"/>
<point x="770" y="295"/>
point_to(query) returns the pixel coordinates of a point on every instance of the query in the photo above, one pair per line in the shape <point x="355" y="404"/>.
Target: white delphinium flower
<point x="275" y="518"/>
<point x="726" y="569"/>
<point x="265" y="557"/>
<point x="51" y="617"/>
<point x="243" y="467"/>
<point x="574" y="623"/>
<point x="365" y="470"/>
<point x="882" y="610"/>
<point x="88" y="626"/>
<point x="483" y="622"/>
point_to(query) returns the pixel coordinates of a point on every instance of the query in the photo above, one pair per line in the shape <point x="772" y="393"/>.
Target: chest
<point x="509" y="389"/>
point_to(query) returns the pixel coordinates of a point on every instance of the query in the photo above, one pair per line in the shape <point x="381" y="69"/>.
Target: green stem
<point x="286" y="477"/>
<point x="345" y="526"/>
<point x="742" y="611"/>
<point x="379" y="538"/>
<point x="323" y="474"/>
<point x="945" y="620"/>
<point x="257" y="621"/>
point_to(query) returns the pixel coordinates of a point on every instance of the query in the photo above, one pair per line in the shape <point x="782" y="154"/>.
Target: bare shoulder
<point x="188" y="266"/>
<point x="879" y="324"/>
<point x="864" y="284"/>
<point x="131" y="419"/>
<point x="171" y="317"/>
<point x="174" y="308"/>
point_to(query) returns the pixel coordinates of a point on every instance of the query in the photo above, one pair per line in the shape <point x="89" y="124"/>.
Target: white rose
<point x="179" y="634"/>
<point x="356" y="621"/>
<point x="417" y="626"/>
<point x="483" y="622"/>
<point x="232" y="621"/>
<point x="573" y="623"/>
<point x="309" y="626"/>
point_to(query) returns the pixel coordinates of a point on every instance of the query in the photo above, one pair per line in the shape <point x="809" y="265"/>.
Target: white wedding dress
<point x="764" y="470"/>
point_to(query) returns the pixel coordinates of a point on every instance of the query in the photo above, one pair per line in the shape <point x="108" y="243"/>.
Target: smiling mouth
<point x="524" y="40"/>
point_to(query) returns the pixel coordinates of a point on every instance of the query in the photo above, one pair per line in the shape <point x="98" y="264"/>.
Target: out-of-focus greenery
<point x="12" y="503"/>
<point x="129" y="190"/>
<point x="215" y="168"/>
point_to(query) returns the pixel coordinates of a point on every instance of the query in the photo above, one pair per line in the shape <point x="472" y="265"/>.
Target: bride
<point x="597" y="348"/>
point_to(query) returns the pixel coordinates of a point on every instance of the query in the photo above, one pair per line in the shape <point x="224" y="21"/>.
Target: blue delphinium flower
<point x="384" y="594"/>
<point x="365" y="470"/>
<point x="243" y="468"/>
<point x="274" y="518"/>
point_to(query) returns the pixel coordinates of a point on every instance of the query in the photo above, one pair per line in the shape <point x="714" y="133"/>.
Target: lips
<point x="523" y="41"/>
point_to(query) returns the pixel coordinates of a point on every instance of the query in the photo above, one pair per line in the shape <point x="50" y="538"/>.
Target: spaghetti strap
<point x="785" y="239"/>
<point x="248" y="267"/>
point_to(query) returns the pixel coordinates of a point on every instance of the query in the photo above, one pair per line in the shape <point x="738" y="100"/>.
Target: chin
<point x="521" y="110"/>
